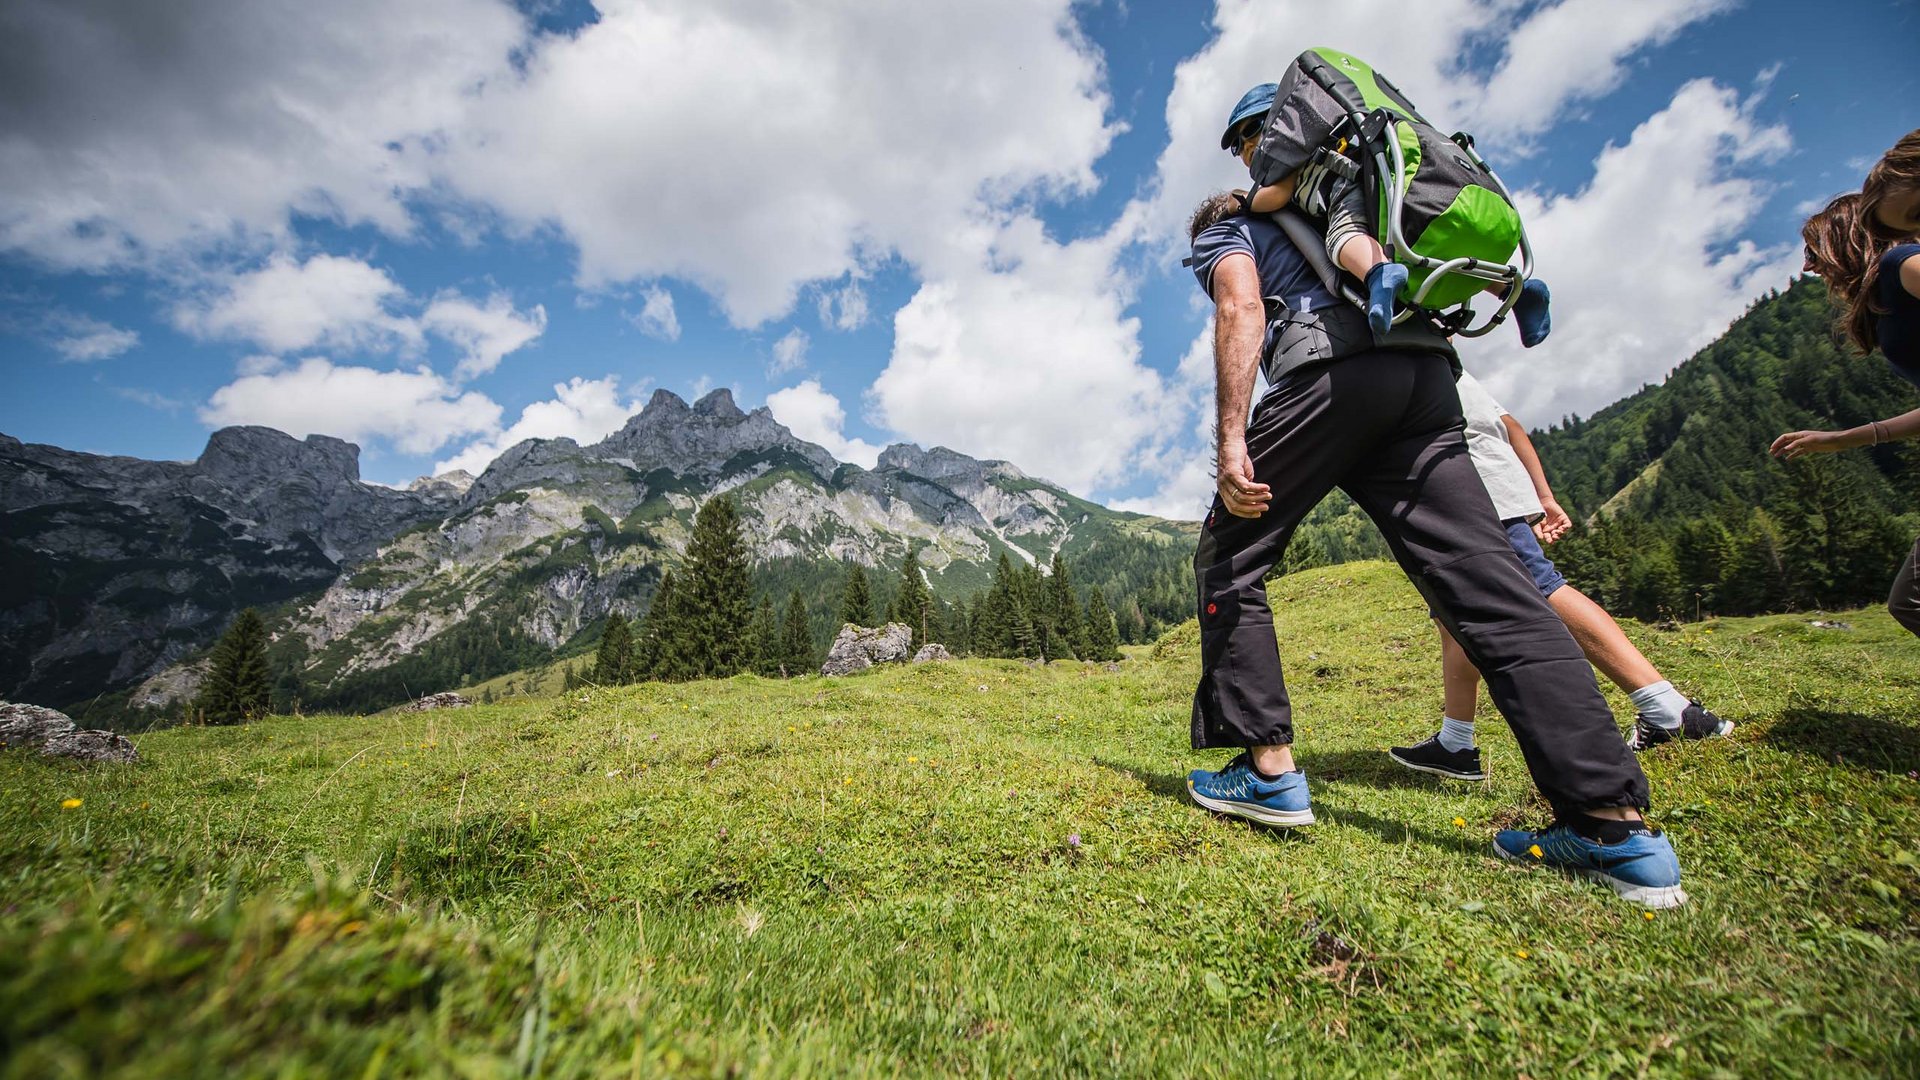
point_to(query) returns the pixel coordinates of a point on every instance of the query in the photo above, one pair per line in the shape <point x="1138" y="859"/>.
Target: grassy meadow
<point x="977" y="867"/>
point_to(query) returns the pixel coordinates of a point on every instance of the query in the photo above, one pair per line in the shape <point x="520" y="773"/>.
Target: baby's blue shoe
<point x="1240" y="791"/>
<point x="1383" y="284"/>
<point x="1531" y="314"/>
<point x="1641" y="868"/>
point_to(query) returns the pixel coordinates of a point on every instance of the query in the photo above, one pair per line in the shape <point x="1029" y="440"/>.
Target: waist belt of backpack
<point x="1299" y="339"/>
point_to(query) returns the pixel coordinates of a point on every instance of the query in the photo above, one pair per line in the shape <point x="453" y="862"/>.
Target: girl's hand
<point x="1797" y="443"/>
<point x="1554" y="525"/>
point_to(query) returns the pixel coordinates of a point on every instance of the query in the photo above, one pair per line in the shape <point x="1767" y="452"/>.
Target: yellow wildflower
<point x="911" y="760"/>
<point x="1648" y="914"/>
<point x="1459" y="823"/>
<point x="70" y="804"/>
<point x="1521" y="953"/>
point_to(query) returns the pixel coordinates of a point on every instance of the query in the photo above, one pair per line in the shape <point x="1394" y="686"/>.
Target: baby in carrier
<point x="1297" y="138"/>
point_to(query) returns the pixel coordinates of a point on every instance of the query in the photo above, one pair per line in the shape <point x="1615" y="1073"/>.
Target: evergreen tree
<point x="613" y="664"/>
<point x="236" y="687"/>
<point x="912" y="603"/>
<point x="1063" y="611"/>
<point x="714" y="603"/>
<point x="796" y="653"/>
<point x="1103" y="641"/>
<point x="766" y="638"/>
<point x="856" y="600"/>
<point x="655" y="645"/>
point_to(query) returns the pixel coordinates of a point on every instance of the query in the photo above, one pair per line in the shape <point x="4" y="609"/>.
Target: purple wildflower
<point x="1073" y="840"/>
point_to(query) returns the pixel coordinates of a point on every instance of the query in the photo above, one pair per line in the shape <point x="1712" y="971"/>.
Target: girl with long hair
<point x="1864" y="246"/>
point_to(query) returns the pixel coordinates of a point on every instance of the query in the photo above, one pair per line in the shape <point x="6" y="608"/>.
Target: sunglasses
<point x="1246" y="131"/>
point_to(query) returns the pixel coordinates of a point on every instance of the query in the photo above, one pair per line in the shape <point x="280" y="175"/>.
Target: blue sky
<point x="437" y="227"/>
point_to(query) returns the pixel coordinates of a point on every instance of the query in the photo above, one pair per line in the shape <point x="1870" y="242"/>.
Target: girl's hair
<point x="1212" y="210"/>
<point x="1846" y="239"/>
<point x="1840" y="250"/>
<point x="1897" y="170"/>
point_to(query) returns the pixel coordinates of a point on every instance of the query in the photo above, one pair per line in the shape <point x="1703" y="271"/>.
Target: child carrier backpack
<point x="1437" y="208"/>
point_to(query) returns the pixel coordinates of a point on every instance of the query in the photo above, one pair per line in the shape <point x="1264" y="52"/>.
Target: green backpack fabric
<point x="1454" y="206"/>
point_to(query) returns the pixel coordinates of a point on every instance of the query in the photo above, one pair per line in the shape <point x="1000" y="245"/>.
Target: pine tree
<point x="613" y="664"/>
<point x="237" y="688"/>
<point x="796" y="653"/>
<point x="715" y="599"/>
<point x="766" y="638"/>
<point x="856" y="600"/>
<point x="912" y="603"/>
<point x="656" y="639"/>
<point x="1063" y="612"/>
<point x="1103" y="641"/>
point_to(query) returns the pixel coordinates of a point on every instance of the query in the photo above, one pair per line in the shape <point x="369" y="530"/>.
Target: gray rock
<point x="932" y="651"/>
<point x="31" y="725"/>
<point x="102" y="746"/>
<point x="448" y="700"/>
<point x="859" y="648"/>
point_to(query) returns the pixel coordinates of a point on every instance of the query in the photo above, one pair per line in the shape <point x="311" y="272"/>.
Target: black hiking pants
<point x="1385" y="427"/>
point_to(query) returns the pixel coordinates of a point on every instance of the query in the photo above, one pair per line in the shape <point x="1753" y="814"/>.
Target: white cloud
<point x="328" y="301"/>
<point x="816" y="416"/>
<point x="135" y="129"/>
<point x="789" y="353"/>
<point x="844" y="308"/>
<point x="584" y="410"/>
<point x="1184" y="466"/>
<point x="1025" y="352"/>
<point x="416" y="411"/>
<point x="878" y="126"/>
<point x="152" y="399"/>
<point x="258" y="364"/>
<point x="484" y="333"/>
<point x="1641" y="261"/>
<point x="657" y="318"/>
<point x="81" y="339"/>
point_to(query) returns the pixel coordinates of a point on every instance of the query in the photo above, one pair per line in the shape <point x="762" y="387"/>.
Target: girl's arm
<point x="1272" y="197"/>
<point x="1556" y="522"/>
<point x="1796" y="443"/>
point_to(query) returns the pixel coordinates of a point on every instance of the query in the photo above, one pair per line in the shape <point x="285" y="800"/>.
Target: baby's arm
<point x="1274" y="196"/>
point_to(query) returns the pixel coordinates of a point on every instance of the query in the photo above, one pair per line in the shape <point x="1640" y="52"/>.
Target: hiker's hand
<point x="1554" y="525"/>
<point x="1799" y="443"/>
<point x="1243" y="495"/>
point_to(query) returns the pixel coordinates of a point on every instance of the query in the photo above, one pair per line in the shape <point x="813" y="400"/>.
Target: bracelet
<point x="1876" y="432"/>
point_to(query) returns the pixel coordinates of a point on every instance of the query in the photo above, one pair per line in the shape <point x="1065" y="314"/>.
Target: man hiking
<point x="1383" y="423"/>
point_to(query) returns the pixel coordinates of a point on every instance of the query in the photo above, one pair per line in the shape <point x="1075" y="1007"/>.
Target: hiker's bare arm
<point x="1239" y="329"/>
<point x="1556" y="522"/>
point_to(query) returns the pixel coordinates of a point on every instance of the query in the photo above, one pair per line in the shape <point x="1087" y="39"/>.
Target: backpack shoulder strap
<point x="1313" y="248"/>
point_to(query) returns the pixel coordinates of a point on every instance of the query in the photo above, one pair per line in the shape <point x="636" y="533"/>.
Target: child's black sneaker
<point x="1695" y="723"/>
<point x="1431" y="757"/>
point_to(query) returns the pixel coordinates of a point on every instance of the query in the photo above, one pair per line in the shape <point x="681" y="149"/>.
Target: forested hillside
<point x="1680" y="512"/>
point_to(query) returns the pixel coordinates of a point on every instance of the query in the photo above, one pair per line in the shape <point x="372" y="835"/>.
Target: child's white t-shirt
<point x="1493" y="457"/>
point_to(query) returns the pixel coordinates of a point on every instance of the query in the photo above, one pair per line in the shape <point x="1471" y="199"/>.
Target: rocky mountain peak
<point x="702" y="438"/>
<point x="719" y="403"/>
<point x="248" y="457"/>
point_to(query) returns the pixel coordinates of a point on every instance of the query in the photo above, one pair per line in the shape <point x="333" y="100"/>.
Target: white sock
<point x="1660" y="704"/>
<point x="1456" y="735"/>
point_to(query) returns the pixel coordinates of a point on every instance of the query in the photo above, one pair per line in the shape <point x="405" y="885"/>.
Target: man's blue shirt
<point x="1284" y="272"/>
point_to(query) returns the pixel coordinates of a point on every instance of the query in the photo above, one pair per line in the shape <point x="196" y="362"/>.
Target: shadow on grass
<point x="1371" y="767"/>
<point x="1871" y="743"/>
<point x="1174" y="789"/>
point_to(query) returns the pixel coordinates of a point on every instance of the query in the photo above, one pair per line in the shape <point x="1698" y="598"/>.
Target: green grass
<point x="878" y="875"/>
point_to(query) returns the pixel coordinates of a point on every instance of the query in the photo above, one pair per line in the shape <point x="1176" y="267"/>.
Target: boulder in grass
<point x="859" y="648"/>
<point x="31" y="725"/>
<point x="931" y="651"/>
<point x="102" y="746"/>
<point x="448" y="700"/>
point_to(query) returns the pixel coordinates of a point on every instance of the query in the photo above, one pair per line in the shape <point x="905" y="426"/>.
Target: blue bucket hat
<point x="1252" y="103"/>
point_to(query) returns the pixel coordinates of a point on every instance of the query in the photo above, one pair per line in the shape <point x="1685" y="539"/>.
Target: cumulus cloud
<point x="1641" y="261"/>
<point x="1183" y="467"/>
<point x="844" y="308"/>
<point x="1025" y="352"/>
<point x="884" y="124"/>
<point x="81" y="339"/>
<point x="130" y="129"/>
<point x="657" y="317"/>
<point x="415" y="411"/>
<point x="789" y="353"/>
<point x="816" y="416"/>
<point x="347" y="305"/>
<point x="584" y="410"/>
<point x="484" y="333"/>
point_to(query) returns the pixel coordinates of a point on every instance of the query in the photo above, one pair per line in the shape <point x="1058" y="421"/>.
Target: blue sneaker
<point x="1530" y="313"/>
<point x="1240" y="791"/>
<point x="1642" y="868"/>
<point x="1383" y="283"/>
